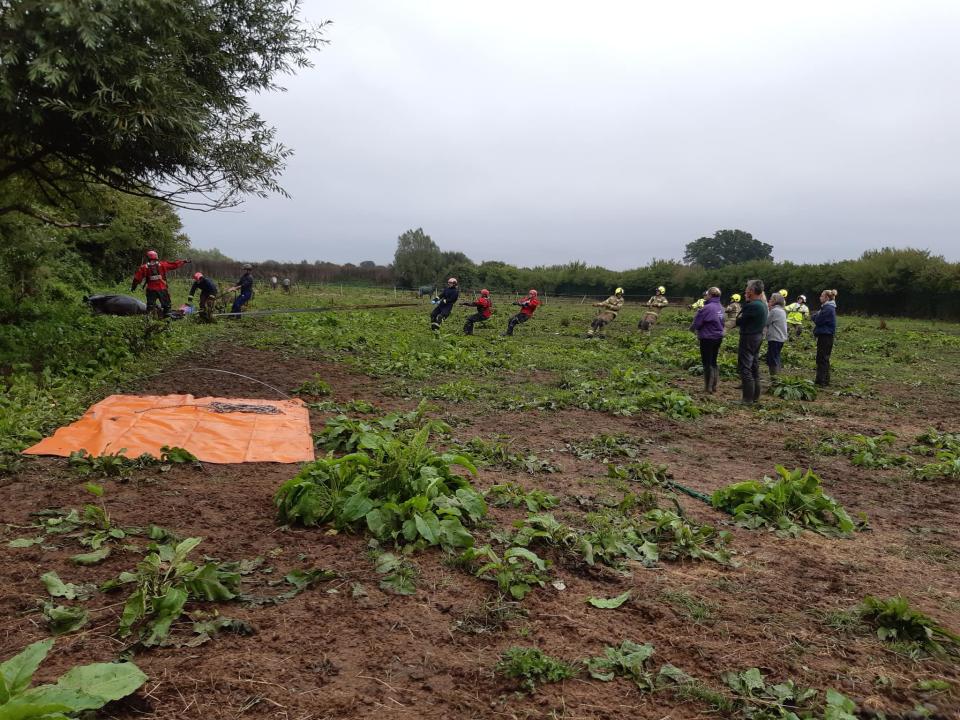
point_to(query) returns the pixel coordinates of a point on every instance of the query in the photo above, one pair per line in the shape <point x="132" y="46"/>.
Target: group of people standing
<point x="758" y="318"/>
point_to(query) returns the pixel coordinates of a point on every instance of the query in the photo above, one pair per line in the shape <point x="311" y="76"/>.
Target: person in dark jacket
<point x="751" y="321"/>
<point x="824" y="329"/>
<point x="245" y="286"/>
<point x="208" y="295"/>
<point x="444" y="304"/>
<point x="709" y="326"/>
<point x="484" y="311"/>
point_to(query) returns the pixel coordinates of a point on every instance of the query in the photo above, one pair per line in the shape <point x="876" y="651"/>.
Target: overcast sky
<point x="540" y="132"/>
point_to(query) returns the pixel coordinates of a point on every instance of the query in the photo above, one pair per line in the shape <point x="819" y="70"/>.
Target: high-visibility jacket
<point x="797" y="313"/>
<point x="155" y="273"/>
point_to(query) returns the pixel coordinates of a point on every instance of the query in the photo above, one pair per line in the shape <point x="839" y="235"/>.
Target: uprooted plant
<point x="400" y="491"/>
<point x="758" y="700"/>
<point x="80" y="689"/>
<point x="344" y="434"/>
<point x="513" y="495"/>
<point x="895" y="621"/>
<point x="531" y="667"/>
<point x="792" y="502"/>
<point x="517" y="573"/>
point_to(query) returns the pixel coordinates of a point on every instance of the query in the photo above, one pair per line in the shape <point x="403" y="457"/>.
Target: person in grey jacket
<point x="776" y="331"/>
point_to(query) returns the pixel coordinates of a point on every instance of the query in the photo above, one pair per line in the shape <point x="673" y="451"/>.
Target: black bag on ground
<point x="116" y="305"/>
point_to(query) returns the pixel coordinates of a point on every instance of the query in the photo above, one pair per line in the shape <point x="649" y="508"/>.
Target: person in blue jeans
<point x="245" y="286"/>
<point x="824" y="329"/>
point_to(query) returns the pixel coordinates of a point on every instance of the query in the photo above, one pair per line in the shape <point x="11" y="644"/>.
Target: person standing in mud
<point x="484" y="310"/>
<point x="611" y="307"/>
<point x="444" y="304"/>
<point x="527" y="307"/>
<point x="751" y="321"/>
<point x="824" y="329"/>
<point x="709" y="326"/>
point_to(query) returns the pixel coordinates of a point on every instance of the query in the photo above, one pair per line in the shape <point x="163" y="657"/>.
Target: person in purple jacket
<point x="709" y="326"/>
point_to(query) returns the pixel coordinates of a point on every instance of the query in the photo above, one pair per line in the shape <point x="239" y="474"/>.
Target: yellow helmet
<point x="783" y="294"/>
<point x="735" y="297"/>
<point x="618" y="291"/>
<point x="662" y="290"/>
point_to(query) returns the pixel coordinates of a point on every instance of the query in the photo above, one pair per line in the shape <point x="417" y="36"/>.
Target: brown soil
<point x="336" y="652"/>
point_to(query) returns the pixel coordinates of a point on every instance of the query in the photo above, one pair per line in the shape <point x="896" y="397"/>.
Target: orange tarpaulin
<point x="141" y="424"/>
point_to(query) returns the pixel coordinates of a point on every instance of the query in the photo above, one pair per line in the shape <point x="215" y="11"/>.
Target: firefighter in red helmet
<point x="527" y="307"/>
<point x="154" y="273"/>
<point x="484" y="310"/>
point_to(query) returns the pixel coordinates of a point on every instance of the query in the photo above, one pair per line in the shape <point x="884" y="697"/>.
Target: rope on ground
<point x="225" y="372"/>
<point x="689" y="491"/>
<point x="221" y="407"/>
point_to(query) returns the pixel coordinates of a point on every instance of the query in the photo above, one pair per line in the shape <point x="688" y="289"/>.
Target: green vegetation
<point x="895" y="621"/>
<point x="789" y="504"/>
<point x="513" y="495"/>
<point x="80" y="689"/>
<point x="163" y="583"/>
<point x="401" y="490"/>
<point x="629" y="661"/>
<point x="531" y="667"/>
<point x="794" y="388"/>
<point x="517" y="573"/>
<point x="499" y="454"/>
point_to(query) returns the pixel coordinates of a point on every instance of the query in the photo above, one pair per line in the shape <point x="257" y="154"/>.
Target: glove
<point x="188" y="261"/>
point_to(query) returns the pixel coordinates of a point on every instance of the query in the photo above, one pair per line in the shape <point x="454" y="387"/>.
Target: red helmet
<point x="152" y="255"/>
<point x="533" y="292"/>
<point x="197" y="275"/>
<point x="484" y="292"/>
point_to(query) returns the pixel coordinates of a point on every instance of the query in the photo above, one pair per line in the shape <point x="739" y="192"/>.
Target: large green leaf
<point x="63" y="619"/>
<point x="92" y="558"/>
<point x="609" y="603"/>
<point x="429" y="527"/>
<point x="16" y="673"/>
<point x="211" y="583"/>
<point x="165" y="610"/>
<point x="105" y="681"/>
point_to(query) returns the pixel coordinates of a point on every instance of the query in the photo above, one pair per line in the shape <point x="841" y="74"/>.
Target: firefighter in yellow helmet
<point x="783" y="293"/>
<point x="731" y="311"/>
<point x="797" y="314"/>
<point x="659" y="301"/>
<point x="610" y="308"/>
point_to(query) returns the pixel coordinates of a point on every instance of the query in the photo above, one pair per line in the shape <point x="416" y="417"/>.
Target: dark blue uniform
<point x="246" y="292"/>
<point x="448" y="298"/>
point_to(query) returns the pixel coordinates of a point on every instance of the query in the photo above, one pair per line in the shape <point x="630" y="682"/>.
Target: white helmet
<point x="451" y="281"/>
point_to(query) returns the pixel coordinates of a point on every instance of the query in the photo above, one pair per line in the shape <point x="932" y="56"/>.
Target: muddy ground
<point x="341" y="650"/>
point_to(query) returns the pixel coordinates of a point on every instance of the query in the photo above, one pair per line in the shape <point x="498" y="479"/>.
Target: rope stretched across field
<point x="262" y="313"/>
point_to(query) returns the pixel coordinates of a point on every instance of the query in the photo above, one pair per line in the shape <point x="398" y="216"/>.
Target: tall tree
<point x="726" y="247"/>
<point x="149" y="97"/>
<point x="418" y="259"/>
